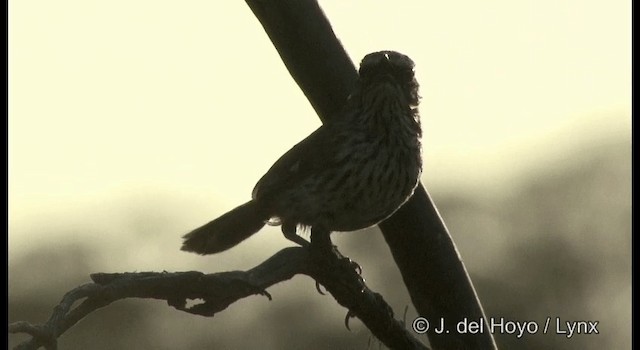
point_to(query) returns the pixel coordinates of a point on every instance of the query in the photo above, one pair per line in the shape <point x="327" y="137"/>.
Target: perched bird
<point x="351" y="173"/>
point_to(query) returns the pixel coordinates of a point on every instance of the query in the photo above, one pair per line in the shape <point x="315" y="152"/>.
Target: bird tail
<point x="227" y="230"/>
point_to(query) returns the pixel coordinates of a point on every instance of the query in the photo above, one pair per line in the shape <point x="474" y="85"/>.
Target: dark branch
<point x="219" y="290"/>
<point x="419" y="241"/>
<point x="310" y="50"/>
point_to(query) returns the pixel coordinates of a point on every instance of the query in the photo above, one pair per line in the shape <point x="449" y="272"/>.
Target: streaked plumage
<point x="349" y="174"/>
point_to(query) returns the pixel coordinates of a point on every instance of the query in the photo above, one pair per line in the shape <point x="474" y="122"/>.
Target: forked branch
<point x="219" y="290"/>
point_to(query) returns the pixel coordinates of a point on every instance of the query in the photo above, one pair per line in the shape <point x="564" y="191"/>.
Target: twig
<point x="219" y="290"/>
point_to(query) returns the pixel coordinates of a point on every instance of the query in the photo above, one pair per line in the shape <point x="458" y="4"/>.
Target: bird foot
<point x="352" y="264"/>
<point x="290" y="233"/>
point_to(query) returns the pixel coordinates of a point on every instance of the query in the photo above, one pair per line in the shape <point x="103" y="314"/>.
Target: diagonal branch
<point x="219" y="290"/>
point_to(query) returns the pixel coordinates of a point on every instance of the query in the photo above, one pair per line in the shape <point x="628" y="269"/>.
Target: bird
<point x="351" y="173"/>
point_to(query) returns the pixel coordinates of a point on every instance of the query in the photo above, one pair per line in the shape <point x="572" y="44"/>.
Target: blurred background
<point x="133" y="122"/>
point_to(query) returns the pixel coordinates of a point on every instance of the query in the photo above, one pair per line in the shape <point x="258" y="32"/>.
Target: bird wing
<point x="309" y="156"/>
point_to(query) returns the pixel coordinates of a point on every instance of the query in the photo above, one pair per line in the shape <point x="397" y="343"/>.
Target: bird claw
<point x="351" y="264"/>
<point x="354" y="265"/>
<point x="319" y="289"/>
<point x="350" y="314"/>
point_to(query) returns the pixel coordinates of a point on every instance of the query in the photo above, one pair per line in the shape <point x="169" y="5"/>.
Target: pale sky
<point x="109" y="98"/>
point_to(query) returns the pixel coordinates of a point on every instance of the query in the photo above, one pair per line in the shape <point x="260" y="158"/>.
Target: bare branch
<point x="219" y="290"/>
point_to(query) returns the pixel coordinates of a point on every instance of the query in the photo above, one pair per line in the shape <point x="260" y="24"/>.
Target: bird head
<point x="384" y="67"/>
